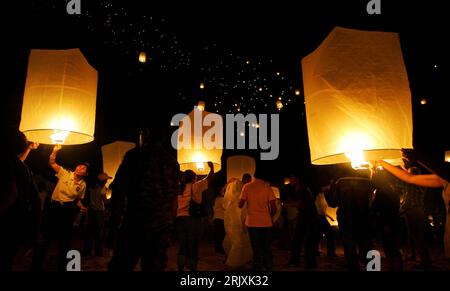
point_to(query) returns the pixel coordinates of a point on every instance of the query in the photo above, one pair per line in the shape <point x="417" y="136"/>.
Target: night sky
<point x="246" y="57"/>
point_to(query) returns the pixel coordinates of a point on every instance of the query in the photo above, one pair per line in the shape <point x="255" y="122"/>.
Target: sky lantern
<point x="239" y="165"/>
<point x="200" y="139"/>
<point x="60" y="98"/>
<point x="279" y="104"/>
<point x="447" y="156"/>
<point x="142" y="57"/>
<point x="113" y="154"/>
<point x="357" y="98"/>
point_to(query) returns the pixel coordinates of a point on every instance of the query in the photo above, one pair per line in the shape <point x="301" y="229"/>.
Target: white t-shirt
<point x="67" y="189"/>
<point x="184" y="200"/>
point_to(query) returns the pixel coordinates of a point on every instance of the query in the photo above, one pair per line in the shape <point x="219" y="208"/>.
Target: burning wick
<point x="200" y="166"/>
<point x="59" y="137"/>
<point x="357" y="160"/>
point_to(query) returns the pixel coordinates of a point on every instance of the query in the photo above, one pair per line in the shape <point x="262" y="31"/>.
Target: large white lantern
<point x="200" y="139"/>
<point x="113" y="154"/>
<point x="239" y="165"/>
<point x="357" y="98"/>
<point x="60" y="98"/>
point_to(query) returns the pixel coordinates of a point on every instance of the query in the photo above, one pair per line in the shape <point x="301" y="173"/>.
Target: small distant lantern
<point x="447" y="156"/>
<point x="59" y="100"/>
<point x="279" y="104"/>
<point x="201" y="105"/>
<point x="239" y="165"/>
<point x="142" y="57"/>
<point x="358" y="101"/>
<point x="202" y="85"/>
<point x="113" y="154"/>
<point x="297" y="92"/>
<point x="423" y="101"/>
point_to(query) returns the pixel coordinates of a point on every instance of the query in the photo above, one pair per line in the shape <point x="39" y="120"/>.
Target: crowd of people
<point x="152" y="202"/>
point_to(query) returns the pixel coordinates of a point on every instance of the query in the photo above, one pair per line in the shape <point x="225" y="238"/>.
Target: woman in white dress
<point x="236" y="243"/>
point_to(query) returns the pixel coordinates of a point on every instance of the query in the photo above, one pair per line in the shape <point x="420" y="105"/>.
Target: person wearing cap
<point x="65" y="203"/>
<point x="96" y="216"/>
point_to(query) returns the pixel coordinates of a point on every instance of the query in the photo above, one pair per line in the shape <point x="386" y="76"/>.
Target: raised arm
<point x="438" y="168"/>
<point x="211" y="172"/>
<point x="52" y="159"/>
<point x="431" y="181"/>
<point x="31" y="146"/>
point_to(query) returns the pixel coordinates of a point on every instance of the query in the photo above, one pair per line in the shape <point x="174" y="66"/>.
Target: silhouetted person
<point x="306" y="230"/>
<point x="143" y="190"/>
<point x="19" y="199"/>
<point x="413" y="208"/>
<point x="324" y="226"/>
<point x="352" y="196"/>
<point x="218" y="221"/>
<point x="439" y="178"/>
<point x="386" y="207"/>
<point x="96" y="216"/>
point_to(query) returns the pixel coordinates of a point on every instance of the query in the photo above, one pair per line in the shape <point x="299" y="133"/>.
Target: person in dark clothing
<point x="19" y="199"/>
<point x="353" y="195"/>
<point x="386" y="206"/>
<point x="219" y="228"/>
<point x="147" y="182"/>
<point x="413" y="208"/>
<point x="96" y="216"/>
<point x="306" y="230"/>
<point x="324" y="226"/>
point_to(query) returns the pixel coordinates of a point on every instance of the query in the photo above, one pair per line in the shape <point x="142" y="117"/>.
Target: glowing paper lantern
<point x="201" y="105"/>
<point x="142" y="57"/>
<point x="447" y="156"/>
<point x="357" y="98"/>
<point x="113" y="154"/>
<point x="60" y="98"/>
<point x="279" y="104"/>
<point x="239" y="165"/>
<point x="196" y="156"/>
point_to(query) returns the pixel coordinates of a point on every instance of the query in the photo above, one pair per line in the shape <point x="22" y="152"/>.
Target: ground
<point x="210" y="261"/>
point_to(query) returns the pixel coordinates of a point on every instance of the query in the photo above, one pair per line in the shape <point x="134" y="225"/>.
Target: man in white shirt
<point x="61" y="213"/>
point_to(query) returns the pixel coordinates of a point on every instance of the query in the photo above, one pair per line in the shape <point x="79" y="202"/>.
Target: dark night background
<point x="220" y="44"/>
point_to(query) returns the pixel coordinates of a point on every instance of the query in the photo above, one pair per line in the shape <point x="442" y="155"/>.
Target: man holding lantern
<point x="59" y="217"/>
